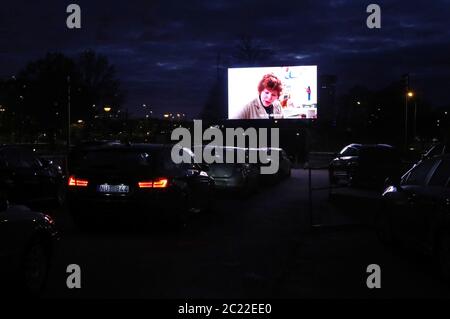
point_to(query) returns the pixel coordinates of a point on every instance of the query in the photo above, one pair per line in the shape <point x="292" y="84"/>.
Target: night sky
<point x="165" y="52"/>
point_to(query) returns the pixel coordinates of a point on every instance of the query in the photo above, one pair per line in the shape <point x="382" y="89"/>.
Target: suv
<point x="416" y="210"/>
<point x="364" y="165"/>
<point x="437" y="149"/>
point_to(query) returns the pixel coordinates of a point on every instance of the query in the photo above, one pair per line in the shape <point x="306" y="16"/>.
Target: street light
<point x="409" y="94"/>
<point x="415" y="113"/>
<point x="107" y="109"/>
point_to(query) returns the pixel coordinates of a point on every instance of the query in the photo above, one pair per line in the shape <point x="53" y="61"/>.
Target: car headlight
<point x="390" y="189"/>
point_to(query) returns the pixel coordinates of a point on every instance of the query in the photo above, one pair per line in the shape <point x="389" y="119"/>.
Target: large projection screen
<point x="297" y="100"/>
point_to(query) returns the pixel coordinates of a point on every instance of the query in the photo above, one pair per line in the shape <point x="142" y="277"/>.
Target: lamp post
<point x="68" y="123"/>
<point x="409" y="94"/>
<point x="415" y="118"/>
<point x="68" y="113"/>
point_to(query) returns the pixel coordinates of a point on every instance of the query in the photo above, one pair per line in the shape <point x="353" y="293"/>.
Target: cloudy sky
<point x="165" y="52"/>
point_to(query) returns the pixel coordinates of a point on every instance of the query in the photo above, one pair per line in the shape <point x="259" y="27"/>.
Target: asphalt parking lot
<point x="273" y="244"/>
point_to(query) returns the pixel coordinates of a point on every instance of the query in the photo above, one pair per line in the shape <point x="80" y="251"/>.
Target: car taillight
<point x="48" y="219"/>
<point x="145" y="184"/>
<point x="156" y="183"/>
<point x="160" y="183"/>
<point x="73" y="181"/>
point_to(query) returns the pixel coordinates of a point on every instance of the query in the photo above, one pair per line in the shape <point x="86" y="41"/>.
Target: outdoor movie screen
<point x="287" y="92"/>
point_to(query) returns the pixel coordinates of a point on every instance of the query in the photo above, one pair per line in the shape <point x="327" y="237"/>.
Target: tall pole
<point x="406" y="121"/>
<point x="68" y="123"/>
<point x="415" y="117"/>
<point x="406" y="83"/>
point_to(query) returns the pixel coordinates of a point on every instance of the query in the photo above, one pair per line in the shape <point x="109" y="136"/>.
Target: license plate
<point x="106" y="188"/>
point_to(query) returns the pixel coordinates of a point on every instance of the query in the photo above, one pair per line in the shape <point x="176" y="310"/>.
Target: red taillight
<point x="157" y="183"/>
<point x="77" y="182"/>
<point x="145" y="184"/>
<point x="160" y="183"/>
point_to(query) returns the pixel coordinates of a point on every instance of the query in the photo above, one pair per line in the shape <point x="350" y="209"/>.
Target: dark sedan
<point x="138" y="179"/>
<point x="28" y="179"/>
<point x="232" y="176"/>
<point x="364" y="165"/>
<point x="26" y="243"/>
<point x="436" y="149"/>
<point x="416" y="210"/>
<point x="284" y="165"/>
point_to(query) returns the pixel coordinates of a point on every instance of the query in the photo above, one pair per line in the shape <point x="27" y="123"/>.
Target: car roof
<point x="137" y="146"/>
<point x="359" y="146"/>
<point x="441" y="156"/>
<point x="370" y="146"/>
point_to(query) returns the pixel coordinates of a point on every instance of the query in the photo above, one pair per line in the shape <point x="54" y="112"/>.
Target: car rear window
<point x="19" y="158"/>
<point x="349" y="151"/>
<point x="117" y="159"/>
<point x="222" y="154"/>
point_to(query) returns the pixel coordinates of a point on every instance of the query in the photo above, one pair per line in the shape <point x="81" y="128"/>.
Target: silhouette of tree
<point x="12" y="116"/>
<point x="45" y="91"/>
<point x="98" y="84"/>
<point x="250" y="52"/>
<point x="45" y="85"/>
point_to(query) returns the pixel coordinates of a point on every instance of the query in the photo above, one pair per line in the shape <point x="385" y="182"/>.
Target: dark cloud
<point x="165" y="52"/>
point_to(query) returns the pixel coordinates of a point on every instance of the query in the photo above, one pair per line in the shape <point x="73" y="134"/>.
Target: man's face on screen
<point x="268" y="96"/>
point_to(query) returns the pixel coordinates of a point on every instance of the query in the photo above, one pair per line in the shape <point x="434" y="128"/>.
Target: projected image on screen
<point x="288" y="92"/>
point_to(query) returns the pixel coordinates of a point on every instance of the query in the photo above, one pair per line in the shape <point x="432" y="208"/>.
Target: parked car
<point x="27" y="240"/>
<point x="139" y="178"/>
<point x="416" y="210"/>
<point x="364" y="165"/>
<point x="241" y="177"/>
<point x="284" y="165"/>
<point x="436" y="150"/>
<point x="77" y="151"/>
<point x="28" y="179"/>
